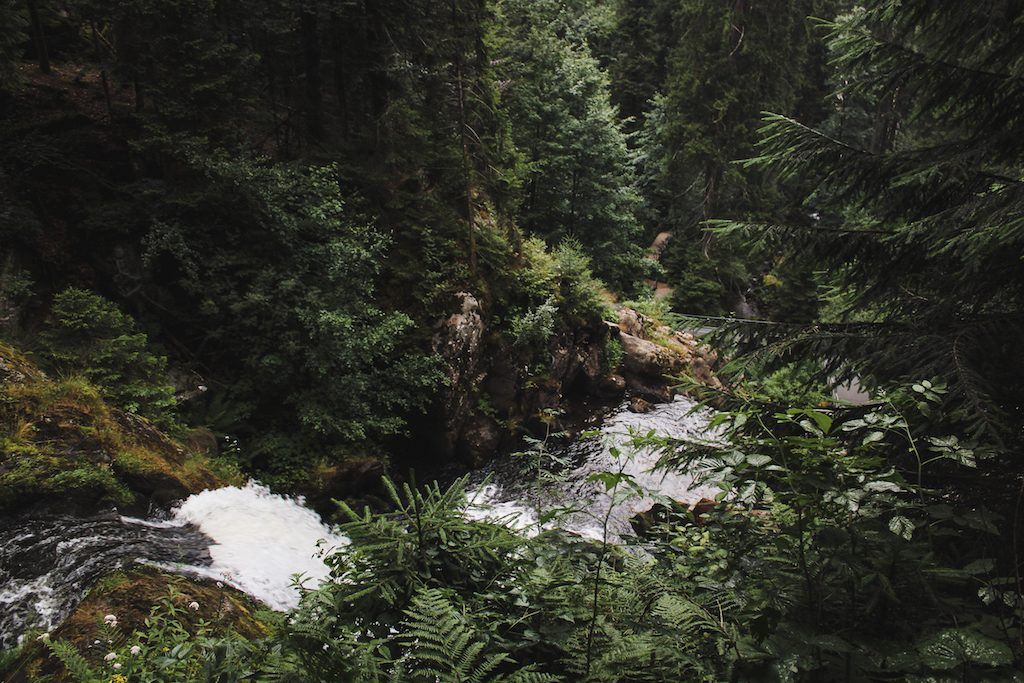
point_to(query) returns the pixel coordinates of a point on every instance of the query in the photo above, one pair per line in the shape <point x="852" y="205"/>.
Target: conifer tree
<point x="12" y="37"/>
<point x="578" y="180"/>
<point x="922" y="232"/>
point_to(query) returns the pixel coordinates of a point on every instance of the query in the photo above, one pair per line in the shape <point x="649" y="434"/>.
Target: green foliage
<point x="916" y="213"/>
<point x="578" y="179"/>
<point x="534" y="328"/>
<point x="286" y="289"/>
<point x="561" y="277"/>
<point x="443" y="646"/>
<point x="90" y="336"/>
<point x="173" y="645"/>
<point x="612" y="355"/>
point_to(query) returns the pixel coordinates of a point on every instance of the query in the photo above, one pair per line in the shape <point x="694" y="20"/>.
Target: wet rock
<point x="640" y="405"/>
<point x="652" y="389"/>
<point x="458" y="343"/>
<point x="481" y="439"/>
<point x="611" y="386"/>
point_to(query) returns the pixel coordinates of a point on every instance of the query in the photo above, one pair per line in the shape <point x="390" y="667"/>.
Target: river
<point x="256" y="541"/>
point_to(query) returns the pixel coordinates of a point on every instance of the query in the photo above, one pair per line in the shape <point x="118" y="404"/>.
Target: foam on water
<point x="261" y="540"/>
<point x="245" y="536"/>
<point x="507" y="497"/>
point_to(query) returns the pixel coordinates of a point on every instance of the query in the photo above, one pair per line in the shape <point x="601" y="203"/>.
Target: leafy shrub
<point x="562" y="276"/>
<point x="90" y="336"/>
<point x="533" y="329"/>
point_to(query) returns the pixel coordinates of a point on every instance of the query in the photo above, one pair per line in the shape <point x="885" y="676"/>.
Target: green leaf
<point x="955" y="647"/>
<point x="902" y="526"/>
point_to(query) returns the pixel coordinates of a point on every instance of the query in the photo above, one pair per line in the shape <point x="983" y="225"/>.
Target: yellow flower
<point x="118" y="678"/>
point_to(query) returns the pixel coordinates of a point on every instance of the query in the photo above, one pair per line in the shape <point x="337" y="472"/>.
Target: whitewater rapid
<point x="247" y="537"/>
<point x="507" y="489"/>
<point x="262" y="541"/>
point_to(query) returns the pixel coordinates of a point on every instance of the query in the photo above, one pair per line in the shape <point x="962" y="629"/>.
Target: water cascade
<point x="508" y="490"/>
<point x="258" y="541"/>
<point x="247" y="537"/>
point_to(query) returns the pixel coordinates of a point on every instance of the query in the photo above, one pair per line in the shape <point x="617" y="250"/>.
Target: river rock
<point x="480" y="439"/>
<point x="647" y="358"/>
<point x="458" y="344"/>
<point x="611" y="386"/>
<point x="638" y="404"/>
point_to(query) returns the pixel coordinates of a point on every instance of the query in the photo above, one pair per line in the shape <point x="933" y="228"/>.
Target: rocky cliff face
<point x="654" y="354"/>
<point x="62" y="444"/>
<point x="489" y="399"/>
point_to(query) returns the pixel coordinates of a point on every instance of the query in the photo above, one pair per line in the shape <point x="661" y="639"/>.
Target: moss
<point x="61" y="441"/>
<point x="131" y="595"/>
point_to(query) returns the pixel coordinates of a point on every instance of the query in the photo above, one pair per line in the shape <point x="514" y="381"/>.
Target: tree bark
<point x="464" y="139"/>
<point x="311" y="65"/>
<point x="39" y="37"/>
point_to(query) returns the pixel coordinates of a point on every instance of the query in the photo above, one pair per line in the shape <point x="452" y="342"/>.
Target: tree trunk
<point x="39" y="37"/>
<point x="340" y="76"/>
<point x="311" y="64"/>
<point x="464" y="139"/>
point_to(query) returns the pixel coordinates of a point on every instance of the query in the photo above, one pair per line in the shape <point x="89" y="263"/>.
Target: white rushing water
<point x="509" y="496"/>
<point x="261" y="540"/>
<point x="257" y="541"/>
<point x="244" y="536"/>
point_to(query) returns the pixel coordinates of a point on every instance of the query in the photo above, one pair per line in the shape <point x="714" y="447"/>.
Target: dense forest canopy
<point x="322" y="241"/>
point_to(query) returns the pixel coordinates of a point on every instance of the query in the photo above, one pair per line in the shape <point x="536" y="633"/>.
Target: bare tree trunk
<point x="39" y="37"/>
<point x="464" y="141"/>
<point x="311" y="63"/>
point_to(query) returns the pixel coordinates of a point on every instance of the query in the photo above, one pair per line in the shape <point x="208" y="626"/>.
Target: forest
<point x="482" y="341"/>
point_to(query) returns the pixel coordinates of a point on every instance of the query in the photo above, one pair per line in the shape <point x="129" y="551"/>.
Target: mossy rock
<point x="62" y="447"/>
<point x="130" y="596"/>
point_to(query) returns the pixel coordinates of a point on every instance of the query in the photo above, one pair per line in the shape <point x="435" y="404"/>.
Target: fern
<point x="73" y="661"/>
<point x="443" y="646"/>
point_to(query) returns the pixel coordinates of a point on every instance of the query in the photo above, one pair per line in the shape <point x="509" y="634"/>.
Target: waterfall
<point x="247" y="537"/>
<point x="506" y="490"/>
<point x="257" y="541"/>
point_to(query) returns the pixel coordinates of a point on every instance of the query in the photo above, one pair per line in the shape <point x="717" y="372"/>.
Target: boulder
<point x="481" y="438"/>
<point x="644" y="357"/>
<point x="631" y="322"/>
<point x="638" y="404"/>
<point x="611" y="386"/>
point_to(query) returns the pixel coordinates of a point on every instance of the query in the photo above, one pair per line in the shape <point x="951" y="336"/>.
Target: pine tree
<point x="920" y="224"/>
<point x="578" y="178"/>
<point x="12" y="37"/>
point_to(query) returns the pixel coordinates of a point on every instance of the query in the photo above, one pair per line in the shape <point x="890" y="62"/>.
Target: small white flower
<point x="44" y="638"/>
<point x="325" y="647"/>
<point x="135" y="649"/>
<point x="110" y="656"/>
<point x="194" y="606"/>
<point x="95" y="642"/>
<point x="220" y="585"/>
<point x="117" y="665"/>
